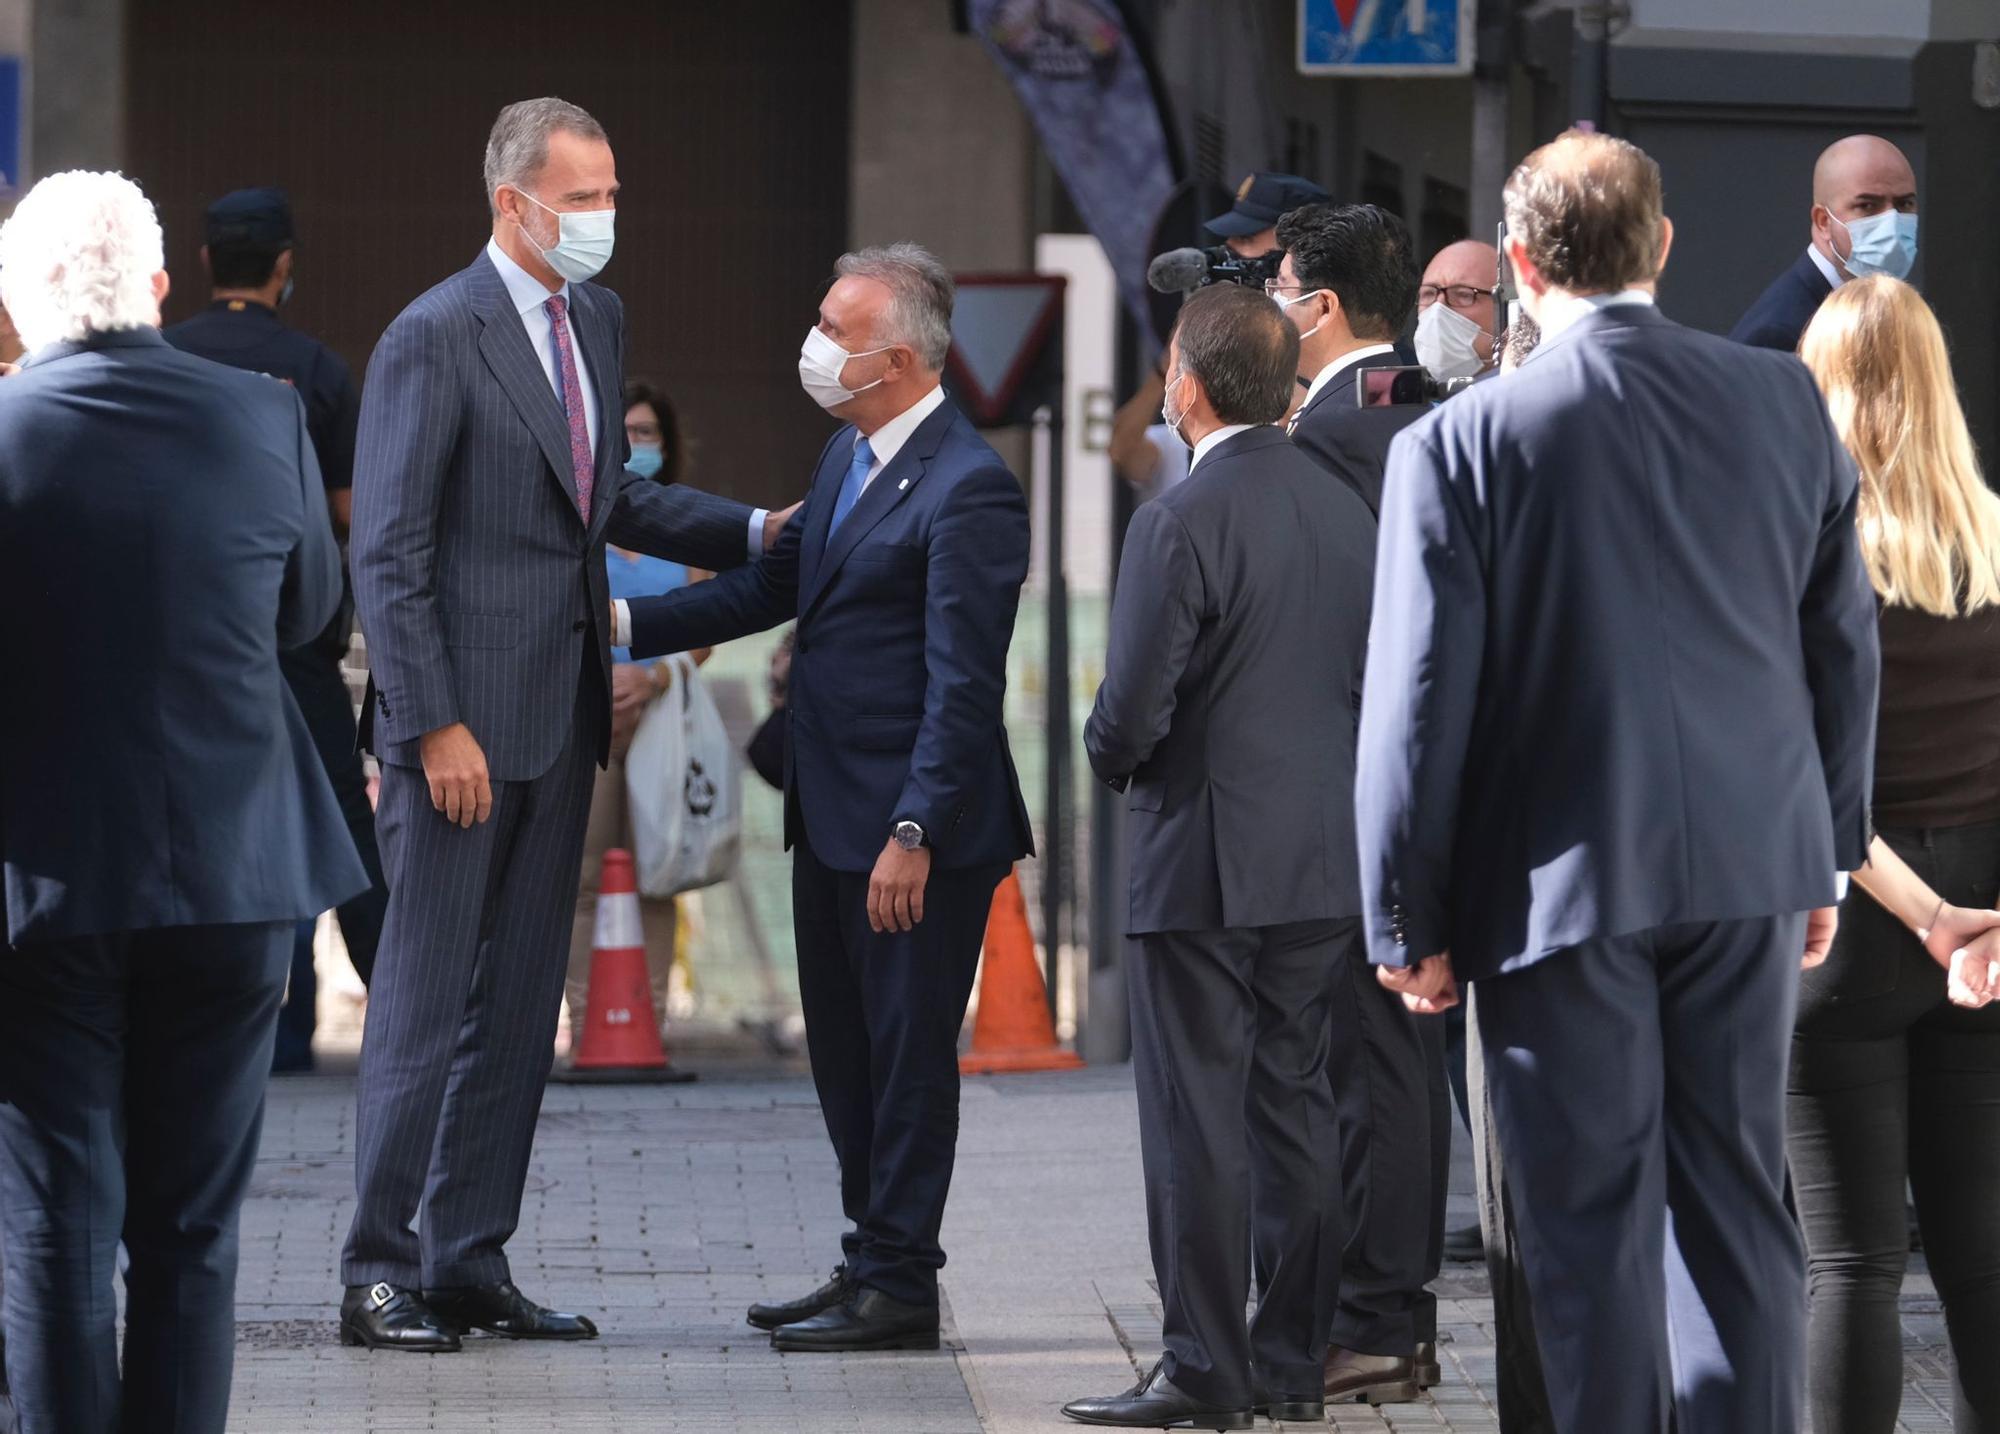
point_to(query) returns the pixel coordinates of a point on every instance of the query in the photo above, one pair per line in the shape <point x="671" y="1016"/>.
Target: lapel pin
<point x="902" y="485"/>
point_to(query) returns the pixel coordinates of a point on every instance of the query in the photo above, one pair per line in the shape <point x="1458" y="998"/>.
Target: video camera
<point x="1401" y="386"/>
<point x="1180" y="270"/>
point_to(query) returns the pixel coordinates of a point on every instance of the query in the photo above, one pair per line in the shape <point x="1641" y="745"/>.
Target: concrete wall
<point x="76" y="85"/>
<point x="942" y="153"/>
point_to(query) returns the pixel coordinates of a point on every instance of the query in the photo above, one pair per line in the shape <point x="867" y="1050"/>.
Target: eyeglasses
<point x="1273" y="288"/>
<point x="1457" y="296"/>
<point x="643" y="432"/>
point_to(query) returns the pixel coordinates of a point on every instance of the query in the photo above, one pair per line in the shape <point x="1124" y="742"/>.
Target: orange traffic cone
<point x="1013" y="1030"/>
<point x="619" y="1034"/>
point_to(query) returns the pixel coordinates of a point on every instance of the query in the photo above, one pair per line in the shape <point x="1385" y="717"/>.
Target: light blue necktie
<point x="850" y="487"/>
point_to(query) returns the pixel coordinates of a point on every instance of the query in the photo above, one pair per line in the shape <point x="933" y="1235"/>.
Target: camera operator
<point x="1250" y="226"/>
<point x="1348" y="281"/>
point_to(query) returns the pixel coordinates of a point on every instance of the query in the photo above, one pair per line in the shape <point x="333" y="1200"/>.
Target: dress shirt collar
<point x="527" y="292"/>
<point x="1571" y="308"/>
<point x="1824" y="265"/>
<point x="1346" y="361"/>
<point x="1215" y="439"/>
<point x="888" y="440"/>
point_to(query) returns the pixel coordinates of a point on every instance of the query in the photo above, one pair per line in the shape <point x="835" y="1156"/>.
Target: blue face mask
<point x="1884" y="243"/>
<point x="647" y="459"/>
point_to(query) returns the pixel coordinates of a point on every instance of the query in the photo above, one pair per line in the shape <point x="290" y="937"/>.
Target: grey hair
<point x="921" y="294"/>
<point x="78" y="258"/>
<point x="518" y="147"/>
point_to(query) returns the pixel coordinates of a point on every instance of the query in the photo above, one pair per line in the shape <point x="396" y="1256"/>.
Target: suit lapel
<point x="825" y="492"/>
<point x="503" y="344"/>
<point x="891" y="486"/>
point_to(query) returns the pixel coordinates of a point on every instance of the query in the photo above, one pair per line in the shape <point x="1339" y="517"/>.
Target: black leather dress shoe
<point x="503" y="1310"/>
<point x="1371" y="1378"/>
<point x="385" y="1316"/>
<point x="866" y="1319"/>
<point x="1286" y="1409"/>
<point x="824" y="1298"/>
<point x="1154" y="1403"/>
<point x="1430" y="1374"/>
<point x="1465" y="1245"/>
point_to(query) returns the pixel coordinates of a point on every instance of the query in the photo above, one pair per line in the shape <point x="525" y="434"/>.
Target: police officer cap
<point x="1262" y="200"/>
<point x="251" y="216"/>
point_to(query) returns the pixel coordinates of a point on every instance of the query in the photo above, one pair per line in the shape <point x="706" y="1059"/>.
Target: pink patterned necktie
<point x="581" y="461"/>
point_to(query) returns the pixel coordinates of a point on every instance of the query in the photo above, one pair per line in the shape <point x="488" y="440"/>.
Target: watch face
<point x="909" y="835"/>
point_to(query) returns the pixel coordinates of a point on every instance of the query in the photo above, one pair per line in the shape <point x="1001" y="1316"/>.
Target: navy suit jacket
<point x="899" y="670"/>
<point x="1228" y="705"/>
<point x="163" y="532"/>
<point x="1349" y="441"/>
<point x="1779" y="317"/>
<point x="1623" y="667"/>
<point x="481" y="588"/>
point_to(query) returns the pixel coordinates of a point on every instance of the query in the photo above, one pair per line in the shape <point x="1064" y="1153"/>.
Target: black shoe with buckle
<point x="503" y="1310"/>
<point x="386" y="1316"/>
<point x="836" y="1289"/>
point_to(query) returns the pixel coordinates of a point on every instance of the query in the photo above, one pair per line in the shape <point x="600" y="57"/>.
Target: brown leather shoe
<point x="1430" y="1374"/>
<point x="1372" y="1378"/>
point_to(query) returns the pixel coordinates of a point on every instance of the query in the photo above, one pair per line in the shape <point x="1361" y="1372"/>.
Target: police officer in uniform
<point x="249" y="257"/>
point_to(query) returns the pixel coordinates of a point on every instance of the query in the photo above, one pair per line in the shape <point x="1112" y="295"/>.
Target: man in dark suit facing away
<point x="1227" y="714"/>
<point x="1864" y="221"/>
<point x="1349" y="282"/>
<point x="1615" y="743"/>
<point x="902" y="809"/>
<point x="489" y="473"/>
<point x="164" y="819"/>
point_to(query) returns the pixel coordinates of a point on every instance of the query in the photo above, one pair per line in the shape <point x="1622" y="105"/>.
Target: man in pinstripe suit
<point x="489" y="473"/>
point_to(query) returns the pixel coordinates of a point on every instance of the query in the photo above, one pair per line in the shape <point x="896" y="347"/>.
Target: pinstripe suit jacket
<point x="480" y="587"/>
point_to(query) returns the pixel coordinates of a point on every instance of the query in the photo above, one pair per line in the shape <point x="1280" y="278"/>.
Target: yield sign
<point x="998" y="328"/>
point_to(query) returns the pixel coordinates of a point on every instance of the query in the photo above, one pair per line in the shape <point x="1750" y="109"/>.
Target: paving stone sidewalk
<point x="663" y="1212"/>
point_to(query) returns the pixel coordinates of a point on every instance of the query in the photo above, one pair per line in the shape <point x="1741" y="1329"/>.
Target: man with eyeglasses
<point x="1457" y="326"/>
<point x="1348" y="283"/>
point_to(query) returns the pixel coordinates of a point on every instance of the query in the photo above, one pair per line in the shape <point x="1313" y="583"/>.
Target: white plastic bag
<point x="681" y="780"/>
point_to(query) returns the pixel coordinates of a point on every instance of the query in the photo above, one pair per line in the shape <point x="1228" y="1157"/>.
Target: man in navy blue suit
<point x="1616" y="742"/>
<point x="902" y="808"/>
<point x="1864" y="221"/>
<point x="164" y="818"/>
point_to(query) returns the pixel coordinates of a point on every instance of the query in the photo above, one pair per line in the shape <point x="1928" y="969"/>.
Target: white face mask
<point x="1174" y="420"/>
<point x="1884" y="243"/>
<point x="1285" y="305"/>
<point x="1447" y="342"/>
<point x="822" y="361"/>
<point x="583" y="240"/>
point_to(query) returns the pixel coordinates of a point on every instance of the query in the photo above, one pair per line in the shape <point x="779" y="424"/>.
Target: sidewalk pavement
<point x="663" y="1212"/>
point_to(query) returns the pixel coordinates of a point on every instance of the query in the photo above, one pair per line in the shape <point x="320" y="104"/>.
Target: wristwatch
<point x="909" y="836"/>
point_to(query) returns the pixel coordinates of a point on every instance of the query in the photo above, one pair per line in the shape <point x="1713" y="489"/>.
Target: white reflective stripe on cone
<point x="618" y="923"/>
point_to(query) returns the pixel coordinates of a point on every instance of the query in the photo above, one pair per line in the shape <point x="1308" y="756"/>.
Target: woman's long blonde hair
<point x="1930" y="528"/>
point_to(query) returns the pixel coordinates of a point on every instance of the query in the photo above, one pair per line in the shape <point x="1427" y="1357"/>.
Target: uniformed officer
<point x="249" y="256"/>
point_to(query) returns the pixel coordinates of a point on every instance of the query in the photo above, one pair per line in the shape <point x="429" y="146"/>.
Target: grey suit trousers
<point x="462" y="1019"/>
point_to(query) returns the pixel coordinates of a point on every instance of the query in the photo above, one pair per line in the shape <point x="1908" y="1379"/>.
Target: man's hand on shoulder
<point x="455" y="767"/>
<point x="1429" y="988"/>
<point x="774" y="524"/>
<point x="896" y="888"/>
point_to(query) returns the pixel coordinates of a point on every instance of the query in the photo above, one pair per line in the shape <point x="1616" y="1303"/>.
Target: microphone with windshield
<point x="1180" y="271"/>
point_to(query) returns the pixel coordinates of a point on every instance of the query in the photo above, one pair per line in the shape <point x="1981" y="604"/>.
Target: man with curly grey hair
<point x="164" y="818"/>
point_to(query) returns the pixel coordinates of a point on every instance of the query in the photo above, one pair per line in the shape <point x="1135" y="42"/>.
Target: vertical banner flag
<point x="1078" y="73"/>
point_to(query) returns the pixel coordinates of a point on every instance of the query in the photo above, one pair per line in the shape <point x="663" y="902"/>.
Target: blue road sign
<point x="1386" y="37"/>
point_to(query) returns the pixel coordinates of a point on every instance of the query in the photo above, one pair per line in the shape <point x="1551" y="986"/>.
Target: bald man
<point x="1864" y="221"/>
<point x="1457" y="326"/>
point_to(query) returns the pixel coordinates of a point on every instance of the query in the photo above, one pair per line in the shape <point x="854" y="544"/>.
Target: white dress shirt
<point x="888" y="440"/>
<point x="1208" y="444"/>
<point x="529" y="295"/>
<point x="1825" y="266"/>
<point x="1346" y="361"/>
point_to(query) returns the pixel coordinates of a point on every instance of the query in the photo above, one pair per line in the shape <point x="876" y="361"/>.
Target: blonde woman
<point x="1896" y="1056"/>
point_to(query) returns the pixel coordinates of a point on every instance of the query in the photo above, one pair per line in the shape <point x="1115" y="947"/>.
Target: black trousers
<point x="1387" y="1069"/>
<point x="132" y="1072"/>
<point x="1891" y="1083"/>
<point x="883" y="1011"/>
<point x="1230" y="1038"/>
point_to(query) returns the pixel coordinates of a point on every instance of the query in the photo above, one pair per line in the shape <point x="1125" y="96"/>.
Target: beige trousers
<point x="610" y="826"/>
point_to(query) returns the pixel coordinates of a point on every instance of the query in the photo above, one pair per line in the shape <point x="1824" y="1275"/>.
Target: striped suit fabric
<point x="482" y="592"/>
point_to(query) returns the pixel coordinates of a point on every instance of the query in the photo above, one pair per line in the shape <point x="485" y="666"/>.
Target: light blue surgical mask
<point x="1884" y="243"/>
<point x="583" y="240"/>
<point x="647" y="459"/>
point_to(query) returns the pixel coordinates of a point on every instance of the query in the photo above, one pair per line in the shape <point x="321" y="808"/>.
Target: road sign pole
<point x="1059" y="828"/>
